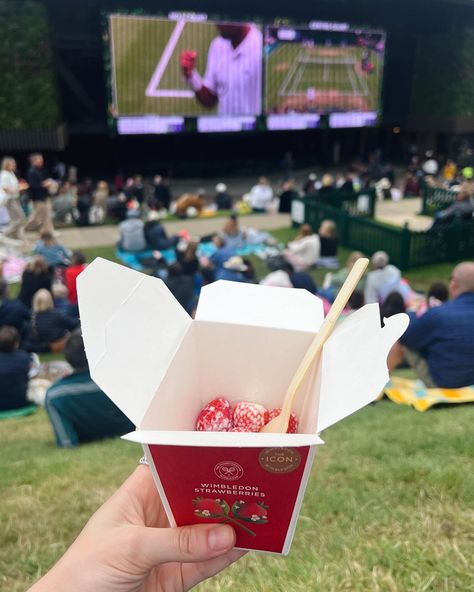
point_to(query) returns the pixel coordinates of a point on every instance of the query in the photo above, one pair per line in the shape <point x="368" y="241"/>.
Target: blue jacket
<point x="444" y="336"/>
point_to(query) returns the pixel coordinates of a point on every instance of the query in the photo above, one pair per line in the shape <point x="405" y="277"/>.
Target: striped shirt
<point x="235" y="75"/>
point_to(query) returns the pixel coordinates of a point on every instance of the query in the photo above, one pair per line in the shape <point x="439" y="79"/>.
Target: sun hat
<point x="235" y="264"/>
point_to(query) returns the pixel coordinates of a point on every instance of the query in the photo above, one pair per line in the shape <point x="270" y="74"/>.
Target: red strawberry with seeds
<point x="210" y="508"/>
<point x="216" y="416"/>
<point x="251" y="417"/>
<point x="256" y="512"/>
<point x="292" y="422"/>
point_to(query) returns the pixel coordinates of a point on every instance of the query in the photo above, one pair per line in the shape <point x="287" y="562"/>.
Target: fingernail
<point x="220" y="538"/>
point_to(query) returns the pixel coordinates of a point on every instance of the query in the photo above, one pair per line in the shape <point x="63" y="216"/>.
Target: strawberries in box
<point x="245" y="344"/>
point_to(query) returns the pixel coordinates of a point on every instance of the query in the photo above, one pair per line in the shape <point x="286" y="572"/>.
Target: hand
<point x="187" y="61"/>
<point x="128" y="546"/>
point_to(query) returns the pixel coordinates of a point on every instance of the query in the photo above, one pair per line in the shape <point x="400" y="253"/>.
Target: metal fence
<point x="406" y="248"/>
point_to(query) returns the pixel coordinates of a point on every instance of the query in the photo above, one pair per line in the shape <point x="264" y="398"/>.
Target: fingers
<point x="193" y="573"/>
<point x="186" y="544"/>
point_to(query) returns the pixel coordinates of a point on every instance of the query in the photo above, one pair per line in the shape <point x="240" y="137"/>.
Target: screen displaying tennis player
<point x="182" y="67"/>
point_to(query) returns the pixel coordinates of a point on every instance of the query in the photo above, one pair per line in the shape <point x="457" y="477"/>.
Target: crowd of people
<point x="44" y="317"/>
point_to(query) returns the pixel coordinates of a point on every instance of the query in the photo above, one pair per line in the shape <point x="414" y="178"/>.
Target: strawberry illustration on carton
<point x="160" y="367"/>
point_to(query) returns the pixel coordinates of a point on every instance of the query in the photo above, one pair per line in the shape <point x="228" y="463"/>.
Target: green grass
<point x="389" y="505"/>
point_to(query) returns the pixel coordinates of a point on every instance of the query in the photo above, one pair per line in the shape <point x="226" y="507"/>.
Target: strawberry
<point x="250" y="511"/>
<point x="210" y="508"/>
<point x="251" y="417"/>
<point x="216" y="416"/>
<point x="292" y="422"/>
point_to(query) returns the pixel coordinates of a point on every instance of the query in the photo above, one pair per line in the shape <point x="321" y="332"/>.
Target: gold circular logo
<point x="279" y="460"/>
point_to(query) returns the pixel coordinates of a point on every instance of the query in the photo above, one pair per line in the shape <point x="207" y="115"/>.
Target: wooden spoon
<point x="279" y="424"/>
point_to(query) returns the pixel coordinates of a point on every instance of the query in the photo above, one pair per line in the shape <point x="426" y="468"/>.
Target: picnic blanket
<point x="133" y="259"/>
<point x="414" y="392"/>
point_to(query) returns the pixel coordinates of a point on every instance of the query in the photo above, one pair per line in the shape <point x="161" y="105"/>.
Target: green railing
<point x="406" y="248"/>
<point x="436" y="199"/>
<point x="356" y="204"/>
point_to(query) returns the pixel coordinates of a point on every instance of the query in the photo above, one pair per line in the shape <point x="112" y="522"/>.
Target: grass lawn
<point x="389" y="506"/>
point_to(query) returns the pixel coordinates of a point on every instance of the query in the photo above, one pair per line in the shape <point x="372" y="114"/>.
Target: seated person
<point x="233" y="270"/>
<point x="232" y="234"/>
<point x="187" y="257"/>
<point x="223" y="253"/>
<point x="78" y="264"/>
<point x="439" y="345"/>
<point x="36" y="276"/>
<point x="384" y="278"/>
<point x="14" y="368"/>
<point x="392" y="305"/>
<point x="261" y="196"/>
<point x="223" y="199"/>
<point x="436" y="295"/>
<point x="49" y="326"/>
<point x="155" y="234"/>
<point x="287" y="195"/>
<point x="299" y="279"/>
<point x="132" y="232"/>
<point x="462" y="208"/>
<point x="12" y="311"/>
<point x="303" y="252"/>
<point x="78" y="410"/>
<point x="181" y="286"/>
<point x="329" y="245"/>
<point x="54" y="253"/>
<point x="337" y="279"/>
<point x="63" y="204"/>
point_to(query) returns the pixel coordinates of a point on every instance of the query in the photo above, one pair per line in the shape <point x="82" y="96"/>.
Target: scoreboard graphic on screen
<point x="225" y="75"/>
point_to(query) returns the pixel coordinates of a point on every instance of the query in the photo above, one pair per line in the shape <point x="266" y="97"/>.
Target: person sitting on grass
<point x="222" y="254"/>
<point x="329" y="244"/>
<point x="77" y="409"/>
<point x="439" y="345"/>
<point x="233" y="235"/>
<point x="181" y="286"/>
<point x="49" y="326"/>
<point x="384" y="278"/>
<point x="14" y="369"/>
<point x="132" y="232"/>
<point x="156" y="236"/>
<point x="78" y="264"/>
<point x="12" y="311"/>
<point x="54" y="253"/>
<point x="223" y="199"/>
<point x="303" y="252"/>
<point x="36" y="276"/>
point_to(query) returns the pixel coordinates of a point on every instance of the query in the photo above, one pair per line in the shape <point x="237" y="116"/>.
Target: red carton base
<point x="257" y="490"/>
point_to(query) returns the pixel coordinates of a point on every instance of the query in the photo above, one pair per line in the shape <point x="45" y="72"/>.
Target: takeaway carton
<point x="246" y="342"/>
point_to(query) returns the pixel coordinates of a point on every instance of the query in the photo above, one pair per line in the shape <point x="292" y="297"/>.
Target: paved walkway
<point x="397" y="213"/>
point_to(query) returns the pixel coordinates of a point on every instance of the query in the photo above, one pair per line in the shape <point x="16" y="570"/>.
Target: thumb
<point x="186" y="544"/>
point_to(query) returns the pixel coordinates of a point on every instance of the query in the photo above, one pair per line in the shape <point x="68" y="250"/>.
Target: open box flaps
<point x="133" y="329"/>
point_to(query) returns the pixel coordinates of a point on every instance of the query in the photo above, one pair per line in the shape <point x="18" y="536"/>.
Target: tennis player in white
<point x="233" y="78"/>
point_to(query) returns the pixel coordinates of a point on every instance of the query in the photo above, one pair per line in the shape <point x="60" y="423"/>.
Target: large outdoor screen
<point x="188" y="73"/>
